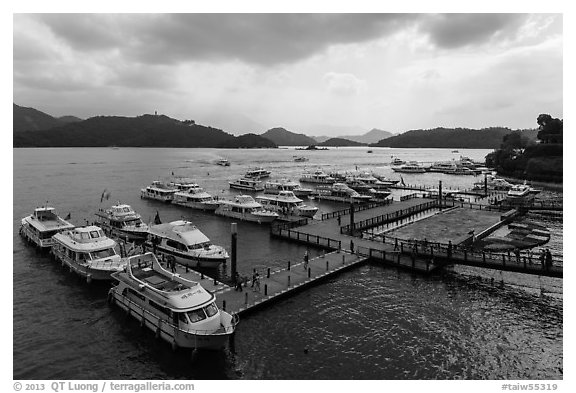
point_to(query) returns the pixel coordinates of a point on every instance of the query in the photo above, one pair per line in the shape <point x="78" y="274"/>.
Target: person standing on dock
<point x="256" y="282"/>
<point x="548" y="259"/>
<point x="339" y="220"/>
<point x="449" y="251"/>
<point x="352" y="246"/>
<point x="396" y="244"/>
<point x="254" y="275"/>
<point x="306" y="259"/>
<point x="542" y="257"/>
<point x="238" y="282"/>
<point x="517" y="253"/>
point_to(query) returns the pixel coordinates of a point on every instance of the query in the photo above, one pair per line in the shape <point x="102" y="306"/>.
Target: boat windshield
<point x="199" y="245"/>
<point x="133" y="222"/>
<point x="109" y="252"/>
<point x="196" y="315"/>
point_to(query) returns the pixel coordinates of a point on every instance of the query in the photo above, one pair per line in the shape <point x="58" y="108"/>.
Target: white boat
<point x="317" y="177"/>
<point x="196" y="198"/>
<point x="223" y="162"/>
<point x="397" y="161"/>
<point x="275" y="186"/>
<point x="384" y="180"/>
<point x="40" y="226"/>
<point x="340" y="192"/>
<point x="443" y="167"/>
<point x="244" y="207"/>
<point x="285" y="203"/>
<point x="374" y="182"/>
<point x="257" y="173"/>
<point x="185" y="242"/>
<point x="159" y="191"/>
<point x="411" y="167"/>
<point x="182" y="184"/>
<point x="247" y="184"/>
<point x="493" y="183"/>
<point x="122" y="221"/>
<point x="462" y="170"/>
<point x="88" y="252"/>
<point x="179" y="311"/>
<point x="518" y="191"/>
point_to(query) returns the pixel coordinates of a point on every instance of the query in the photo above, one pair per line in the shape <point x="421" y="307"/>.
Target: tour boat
<point x="247" y="184"/>
<point x="493" y="183"/>
<point x="317" y="177"/>
<point x="340" y="192"/>
<point x="182" y="184"/>
<point x="196" y="198"/>
<point x="286" y="203"/>
<point x="275" y="186"/>
<point x="385" y="181"/>
<point x="442" y="167"/>
<point x="374" y="182"/>
<point x="244" y="207"/>
<point x="411" y="167"/>
<point x="518" y="191"/>
<point x="40" y="226"/>
<point x="88" y="252"/>
<point x="179" y="311"/>
<point x="159" y="191"/>
<point x="185" y="242"/>
<point x="358" y="185"/>
<point x="122" y="221"/>
<point x="223" y="162"/>
<point x="257" y="173"/>
<point x="397" y="161"/>
<point x="462" y="170"/>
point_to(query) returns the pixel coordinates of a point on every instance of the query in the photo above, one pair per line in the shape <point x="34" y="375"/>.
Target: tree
<point x="550" y="129"/>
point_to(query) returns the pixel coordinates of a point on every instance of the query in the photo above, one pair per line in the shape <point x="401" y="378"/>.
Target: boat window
<point x="196" y="315"/>
<point x="211" y="309"/>
<point x="94" y="234"/>
<point x="103" y="253"/>
<point x="182" y="317"/>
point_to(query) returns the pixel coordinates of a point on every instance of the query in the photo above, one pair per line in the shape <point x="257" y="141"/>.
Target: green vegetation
<point x="519" y="157"/>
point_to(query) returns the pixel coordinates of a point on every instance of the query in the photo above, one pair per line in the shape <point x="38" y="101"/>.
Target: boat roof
<point x="169" y="289"/>
<point x="182" y="231"/>
<point x="88" y="238"/>
<point x="287" y="196"/>
<point x="46" y="219"/>
<point x="244" y="201"/>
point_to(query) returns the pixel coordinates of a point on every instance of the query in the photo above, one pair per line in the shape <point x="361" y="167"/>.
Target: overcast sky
<point x="306" y="72"/>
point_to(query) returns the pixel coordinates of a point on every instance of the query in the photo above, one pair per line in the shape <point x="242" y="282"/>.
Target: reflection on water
<point x="368" y="323"/>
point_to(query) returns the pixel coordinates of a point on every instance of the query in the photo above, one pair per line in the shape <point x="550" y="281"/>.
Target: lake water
<point x="372" y="322"/>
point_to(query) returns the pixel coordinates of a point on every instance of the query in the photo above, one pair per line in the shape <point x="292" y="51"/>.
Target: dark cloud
<point x="459" y="30"/>
<point x="251" y="38"/>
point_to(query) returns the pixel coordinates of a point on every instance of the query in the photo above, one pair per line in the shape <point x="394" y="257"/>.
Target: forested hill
<point x="141" y="131"/>
<point x="485" y="138"/>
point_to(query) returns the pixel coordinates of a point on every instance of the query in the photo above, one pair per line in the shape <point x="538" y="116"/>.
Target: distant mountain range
<point x="372" y="136"/>
<point x="36" y="129"/>
<point x="486" y="138"/>
<point x="283" y="137"/>
<point x="30" y="119"/>
<point x="340" y="142"/>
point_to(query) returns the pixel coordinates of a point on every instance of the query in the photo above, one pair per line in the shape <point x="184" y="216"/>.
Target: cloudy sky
<point x="309" y="73"/>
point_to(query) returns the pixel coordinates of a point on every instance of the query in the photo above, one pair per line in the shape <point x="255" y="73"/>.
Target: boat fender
<point x="89" y="278"/>
<point x="174" y="345"/>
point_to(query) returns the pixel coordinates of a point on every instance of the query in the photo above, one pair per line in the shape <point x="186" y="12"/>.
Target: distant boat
<point x="411" y="167"/>
<point x="223" y="162"/>
<point x="455" y="151"/>
<point x="397" y="161"/>
<point x="246" y="184"/>
<point x="300" y="159"/>
<point x="369" y="151"/>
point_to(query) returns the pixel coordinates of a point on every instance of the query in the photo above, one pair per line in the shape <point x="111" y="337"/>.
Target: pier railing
<point x="387" y="218"/>
<point x="357" y="208"/>
<point x="320" y="241"/>
<point x="443" y="253"/>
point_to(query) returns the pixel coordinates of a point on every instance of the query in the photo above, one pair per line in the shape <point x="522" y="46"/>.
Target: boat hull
<point x="172" y="334"/>
<point x="192" y="260"/>
<point x="161" y="198"/>
<point x="85" y="271"/>
<point x="198" y="205"/>
<point x="245" y="188"/>
<point x="246" y="216"/>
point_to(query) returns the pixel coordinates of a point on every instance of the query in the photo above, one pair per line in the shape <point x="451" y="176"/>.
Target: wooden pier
<point x="332" y="234"/>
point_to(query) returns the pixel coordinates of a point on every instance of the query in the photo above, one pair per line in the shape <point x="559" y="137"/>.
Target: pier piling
<point x="234" y="238"/>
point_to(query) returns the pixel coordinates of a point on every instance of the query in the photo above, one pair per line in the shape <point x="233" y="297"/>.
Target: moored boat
<point x="223" y="162"/>
<point x="88" y="252"/>
<point x="317" y="177"/>
<point x="186" y="243"/>
<point x="41" y="225"/>
<point x="397" y="161"/>
<point x="518" y="191"/>
<point x="159" y="191"/>
<point x="275" y="186"/>
<point x="257" y="173"/>
<point x="122" y="221"/>
<point x="245" y="208"/>
<point x="247" y="184"/>
<point x="340" y="192"/>
<point x="411" y="167"/>
<point x="179" y="311"/>
<point x="285" y="203"/>
<point x="196" y="198"/>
